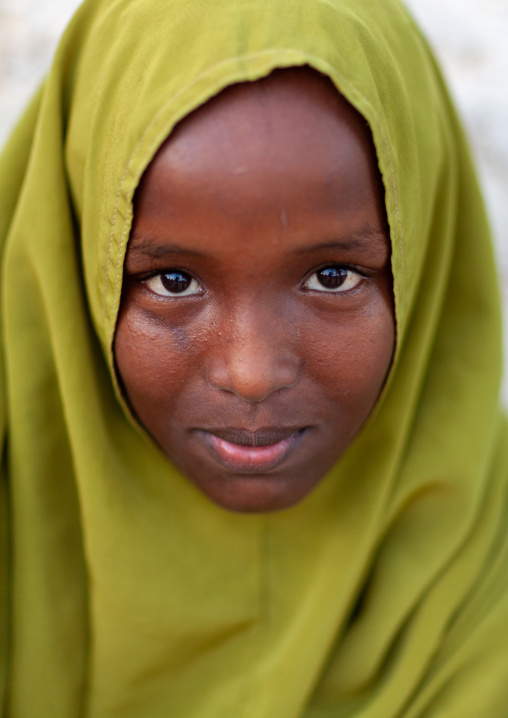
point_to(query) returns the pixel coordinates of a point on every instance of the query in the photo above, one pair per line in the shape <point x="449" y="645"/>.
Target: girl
<point x="254" y="459"/>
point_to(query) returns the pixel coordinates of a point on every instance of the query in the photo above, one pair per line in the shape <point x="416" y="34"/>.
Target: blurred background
<point x="469" y="37"/>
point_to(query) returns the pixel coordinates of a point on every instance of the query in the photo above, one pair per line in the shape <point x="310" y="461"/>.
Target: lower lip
<point x="250" y="459"/>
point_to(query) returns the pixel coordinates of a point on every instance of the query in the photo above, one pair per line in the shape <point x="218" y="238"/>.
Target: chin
<point x="254" y="494"/>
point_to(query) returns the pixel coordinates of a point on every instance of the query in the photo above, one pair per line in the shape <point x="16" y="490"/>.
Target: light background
<point x="470" y="38"/>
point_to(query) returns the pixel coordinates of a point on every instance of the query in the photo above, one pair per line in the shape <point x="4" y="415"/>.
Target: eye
<point x="173" y="284"/>
<point x="333" y="279"/>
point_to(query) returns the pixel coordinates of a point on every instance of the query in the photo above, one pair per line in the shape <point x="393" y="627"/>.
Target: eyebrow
<point x="361" y="240"/>
<point x="152" y="248"/>
<point x="358" y="241"/>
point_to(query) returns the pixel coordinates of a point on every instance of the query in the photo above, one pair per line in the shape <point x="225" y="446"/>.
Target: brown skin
<point x="257" y="301"/>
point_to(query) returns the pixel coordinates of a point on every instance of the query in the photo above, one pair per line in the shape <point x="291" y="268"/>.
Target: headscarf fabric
<point x="126" y="592"/>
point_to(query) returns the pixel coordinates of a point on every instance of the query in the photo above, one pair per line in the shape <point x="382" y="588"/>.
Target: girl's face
<point x="256" y="326"/>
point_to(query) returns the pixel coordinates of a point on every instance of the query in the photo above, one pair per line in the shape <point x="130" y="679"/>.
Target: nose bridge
<point x="256" y="353"/>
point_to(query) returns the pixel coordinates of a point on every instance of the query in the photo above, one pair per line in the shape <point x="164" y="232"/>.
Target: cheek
<point x="352" y="356"/>
<point x="344" y="359"/>
<point x="154" y="363"/>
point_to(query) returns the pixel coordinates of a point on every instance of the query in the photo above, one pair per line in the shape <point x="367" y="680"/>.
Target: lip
<point x="251" y="452"/>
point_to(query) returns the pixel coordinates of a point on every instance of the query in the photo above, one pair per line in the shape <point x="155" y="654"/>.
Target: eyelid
<point x="340" y="289"/>
<point x="195" y="288"/>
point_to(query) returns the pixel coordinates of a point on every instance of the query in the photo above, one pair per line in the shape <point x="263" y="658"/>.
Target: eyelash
<point x="194" y="288"/>
<point x="350" y="272"/>
<point x="159" y="277"/>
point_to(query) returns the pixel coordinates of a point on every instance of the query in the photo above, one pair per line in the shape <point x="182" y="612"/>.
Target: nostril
<point x="253" y="381"/>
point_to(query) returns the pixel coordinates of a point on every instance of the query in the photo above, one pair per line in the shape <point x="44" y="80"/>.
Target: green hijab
<point x="125" y="592"/>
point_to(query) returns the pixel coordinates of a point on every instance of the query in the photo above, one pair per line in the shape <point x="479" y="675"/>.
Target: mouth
<point x="251" y="452"/>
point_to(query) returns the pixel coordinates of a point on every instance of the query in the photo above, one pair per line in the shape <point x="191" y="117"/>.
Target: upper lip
<point x="264" y="436"/>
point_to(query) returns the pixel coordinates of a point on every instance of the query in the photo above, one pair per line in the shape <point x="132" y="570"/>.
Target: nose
<point x="253" y="356"/>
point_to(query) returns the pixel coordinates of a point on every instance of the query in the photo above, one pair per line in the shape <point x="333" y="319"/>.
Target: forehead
<point x="288" y="142"/>
<point x="287" y="107"/>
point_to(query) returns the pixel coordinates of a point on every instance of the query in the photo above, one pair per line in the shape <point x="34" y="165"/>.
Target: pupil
<point x="176" y="282"/>
<point x="332" y="277"/>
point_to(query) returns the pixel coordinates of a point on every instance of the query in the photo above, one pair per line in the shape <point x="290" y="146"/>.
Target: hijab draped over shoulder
<point x="127" y="593"/>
